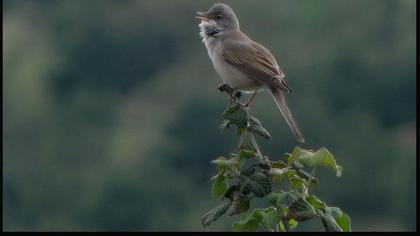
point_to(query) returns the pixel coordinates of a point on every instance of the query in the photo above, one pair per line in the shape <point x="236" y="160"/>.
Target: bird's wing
<point x="255" y="61"/>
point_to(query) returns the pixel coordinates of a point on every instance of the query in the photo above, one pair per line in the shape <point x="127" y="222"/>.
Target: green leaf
<point x="261" y="131"/>
<point x="247" y="142"/>
<point x="279" y="172"/>
<point x="254" y="121"/>
<point x="279" y="164"/>
<point x="264" y="165"/>
<point x="215" y="213"/>
<point x="259" y="184"/>
<point x="230" y="193"/>
<point x="246" y="154"/>
<point x="257" y="128"/>
<point x="301" y="210"/>
<point x="278" y="175"/>
<point x="330" y="224"/>
<point x="220" y="186"/>
<point x="342" y="219"/>
<point x="269" y="218"/>
<point x="292" y="196"/>
<point x="311" y="159"/>
<point x="295" y="180"/>
<point x="293" y="223"/>
<point x="248" y="224"/>
<point x="281" y="227"/>
<point x="223" y="163"/>
<point x="276" y="199"/>
<point x="259" y="219"/>
<point x="241" y="131"/>
<point x="284" y="210"/>
<point x="220" y="162"/>
<point x="225" y="125"/>
<point x="248" y="172"/>
<point x="240" y="204"/>
<point x="316" y="202"/>
<point x="237" y="115"/>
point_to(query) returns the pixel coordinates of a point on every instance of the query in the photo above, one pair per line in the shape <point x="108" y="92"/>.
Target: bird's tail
<point x="282" y="105"/>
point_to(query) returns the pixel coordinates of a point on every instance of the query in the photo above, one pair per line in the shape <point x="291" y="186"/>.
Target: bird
<point x="244" y="65"/>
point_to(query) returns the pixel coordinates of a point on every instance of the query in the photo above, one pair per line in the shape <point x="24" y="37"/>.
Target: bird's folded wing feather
<point x="256" y="62"/>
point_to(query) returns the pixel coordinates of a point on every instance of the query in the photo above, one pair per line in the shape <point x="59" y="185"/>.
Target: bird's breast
<point x="231" y="75"/>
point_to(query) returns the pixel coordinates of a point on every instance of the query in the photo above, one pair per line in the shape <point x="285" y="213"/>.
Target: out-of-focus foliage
<point x="110" y="107"/>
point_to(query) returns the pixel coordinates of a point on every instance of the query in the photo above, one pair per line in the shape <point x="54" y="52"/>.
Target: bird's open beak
<point x="202" y="16"/>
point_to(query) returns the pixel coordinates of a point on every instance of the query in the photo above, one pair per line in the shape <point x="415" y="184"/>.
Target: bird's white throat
<point x="209" y="29"/>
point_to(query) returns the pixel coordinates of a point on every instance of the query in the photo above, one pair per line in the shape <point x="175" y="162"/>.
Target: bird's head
<point x="222" y="15"/>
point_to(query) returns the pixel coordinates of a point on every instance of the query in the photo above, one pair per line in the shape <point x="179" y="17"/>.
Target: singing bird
<point x="243" y="64"/>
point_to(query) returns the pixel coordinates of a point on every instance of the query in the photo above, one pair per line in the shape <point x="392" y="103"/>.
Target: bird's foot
<point x="237" y="98"/>
<point x="226" y="88"/>
<point x="238" y="95"/>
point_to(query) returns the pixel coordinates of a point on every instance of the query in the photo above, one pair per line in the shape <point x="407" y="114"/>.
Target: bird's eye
<point x="218" y="17"/>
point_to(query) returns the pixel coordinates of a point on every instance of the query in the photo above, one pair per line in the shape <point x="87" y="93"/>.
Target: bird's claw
<point x="225" y="88"/>
<point x="234" y="98"/>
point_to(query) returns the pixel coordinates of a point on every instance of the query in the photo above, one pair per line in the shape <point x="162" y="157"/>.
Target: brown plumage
<point x="243" y="64"/>
<point x="254" y="60"/>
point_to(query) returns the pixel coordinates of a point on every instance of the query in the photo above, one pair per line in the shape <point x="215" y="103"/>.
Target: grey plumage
<point x="244" y="65"/>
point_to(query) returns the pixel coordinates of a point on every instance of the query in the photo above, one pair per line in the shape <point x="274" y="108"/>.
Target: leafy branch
<point x="286" y="184"/>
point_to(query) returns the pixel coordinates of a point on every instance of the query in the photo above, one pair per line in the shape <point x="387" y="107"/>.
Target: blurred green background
<point x="111" y="111"/>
